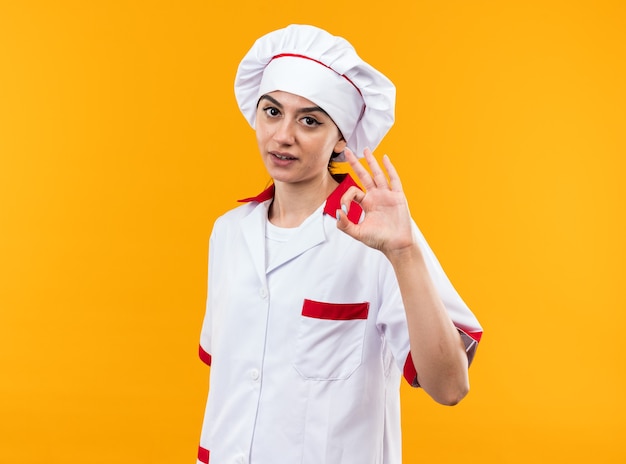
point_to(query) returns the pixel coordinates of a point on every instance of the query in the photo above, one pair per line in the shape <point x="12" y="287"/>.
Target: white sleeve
<point x="462" y="317"/>
<point x="392" y="317"/>
<point x="204" y="349"/>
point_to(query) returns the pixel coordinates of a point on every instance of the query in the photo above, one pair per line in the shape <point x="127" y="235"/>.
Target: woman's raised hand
<point x="386" y="224"/>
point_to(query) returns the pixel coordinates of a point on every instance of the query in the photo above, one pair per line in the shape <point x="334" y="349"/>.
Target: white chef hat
<point x="325" y="69"/>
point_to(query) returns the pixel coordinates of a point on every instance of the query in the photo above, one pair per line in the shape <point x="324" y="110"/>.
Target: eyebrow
<point x="309" y="109"/>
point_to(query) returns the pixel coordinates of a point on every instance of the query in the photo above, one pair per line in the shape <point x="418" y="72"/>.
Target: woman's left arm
<point x="439" y="357"/>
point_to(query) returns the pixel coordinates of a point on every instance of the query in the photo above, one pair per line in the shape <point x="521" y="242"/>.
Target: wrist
<point x="406" y="255"/>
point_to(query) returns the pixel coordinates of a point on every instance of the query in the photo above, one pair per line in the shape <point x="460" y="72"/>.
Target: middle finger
<point x="380" y="180"/>
<point x="359" y="170"/>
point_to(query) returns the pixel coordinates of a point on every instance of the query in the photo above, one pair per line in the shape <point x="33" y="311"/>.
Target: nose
<point x="285" y="132"/>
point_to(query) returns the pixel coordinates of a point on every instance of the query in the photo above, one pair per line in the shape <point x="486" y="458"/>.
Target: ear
<point x="340" y="146"/>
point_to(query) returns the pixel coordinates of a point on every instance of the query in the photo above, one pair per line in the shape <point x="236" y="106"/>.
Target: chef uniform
<point x="305" y="330"/>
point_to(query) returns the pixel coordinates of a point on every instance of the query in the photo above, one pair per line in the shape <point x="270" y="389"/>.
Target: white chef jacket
<point x="306" y="355"/>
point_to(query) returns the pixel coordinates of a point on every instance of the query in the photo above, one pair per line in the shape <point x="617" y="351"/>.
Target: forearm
<point x="436" y="347"/>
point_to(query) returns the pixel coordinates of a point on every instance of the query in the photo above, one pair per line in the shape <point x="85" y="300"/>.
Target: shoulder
<point x="238" y="212"/>
<point x="232" y="218"/>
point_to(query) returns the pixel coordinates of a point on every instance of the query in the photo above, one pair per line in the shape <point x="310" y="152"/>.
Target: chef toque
<point x="325" y="69"/>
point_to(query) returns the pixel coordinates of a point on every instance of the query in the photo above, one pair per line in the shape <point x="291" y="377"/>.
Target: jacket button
<point x="263" y="293"/>
<point x="254" y="374"/>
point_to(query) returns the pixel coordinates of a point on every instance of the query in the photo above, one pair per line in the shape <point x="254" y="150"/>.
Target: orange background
<point x="121" y="142"/>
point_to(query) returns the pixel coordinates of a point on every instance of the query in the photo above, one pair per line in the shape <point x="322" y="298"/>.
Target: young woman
<point x="321" y="296"/>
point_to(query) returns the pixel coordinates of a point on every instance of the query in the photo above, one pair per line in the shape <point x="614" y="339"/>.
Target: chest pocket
<point x="330" y="339"/>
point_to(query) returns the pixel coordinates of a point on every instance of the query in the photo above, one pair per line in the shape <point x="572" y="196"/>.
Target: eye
<point x="310" y="121"/>
<point x="271" y="111"/>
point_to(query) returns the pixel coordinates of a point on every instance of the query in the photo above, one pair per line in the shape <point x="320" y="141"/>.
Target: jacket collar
<point x="333" y="202"/>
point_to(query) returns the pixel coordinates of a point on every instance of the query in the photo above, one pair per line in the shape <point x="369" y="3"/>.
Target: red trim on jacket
<point x="335" y="311"/>
<point x="475" y="335"/>
<point x="265" y="195"/>
<point x="203" y="455"/>
<point x="204" y="356"/>
<point x="333" y="202"/>
<point x="410" y="373"/>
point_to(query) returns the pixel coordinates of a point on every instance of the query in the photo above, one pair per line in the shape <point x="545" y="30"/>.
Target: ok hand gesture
<point x="386" y="224"/>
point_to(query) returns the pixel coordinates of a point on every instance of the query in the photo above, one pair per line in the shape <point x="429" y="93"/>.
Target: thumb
<point x="344" y="224"/>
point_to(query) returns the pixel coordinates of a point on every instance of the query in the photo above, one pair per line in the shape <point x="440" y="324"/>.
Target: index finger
<point x="364" y="176"/>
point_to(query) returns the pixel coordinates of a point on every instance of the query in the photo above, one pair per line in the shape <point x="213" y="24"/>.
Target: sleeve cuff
<point x="204" y="356"/>
<point x="470" y="340"/>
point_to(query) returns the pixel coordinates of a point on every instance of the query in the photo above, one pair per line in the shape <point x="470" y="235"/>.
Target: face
<point x="296" y="138"/>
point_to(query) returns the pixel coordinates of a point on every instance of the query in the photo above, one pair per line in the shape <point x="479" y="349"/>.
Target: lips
<point x="283" y="156"/>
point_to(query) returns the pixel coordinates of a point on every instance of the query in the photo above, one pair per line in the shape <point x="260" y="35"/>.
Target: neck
<point x="293" y="203"/>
